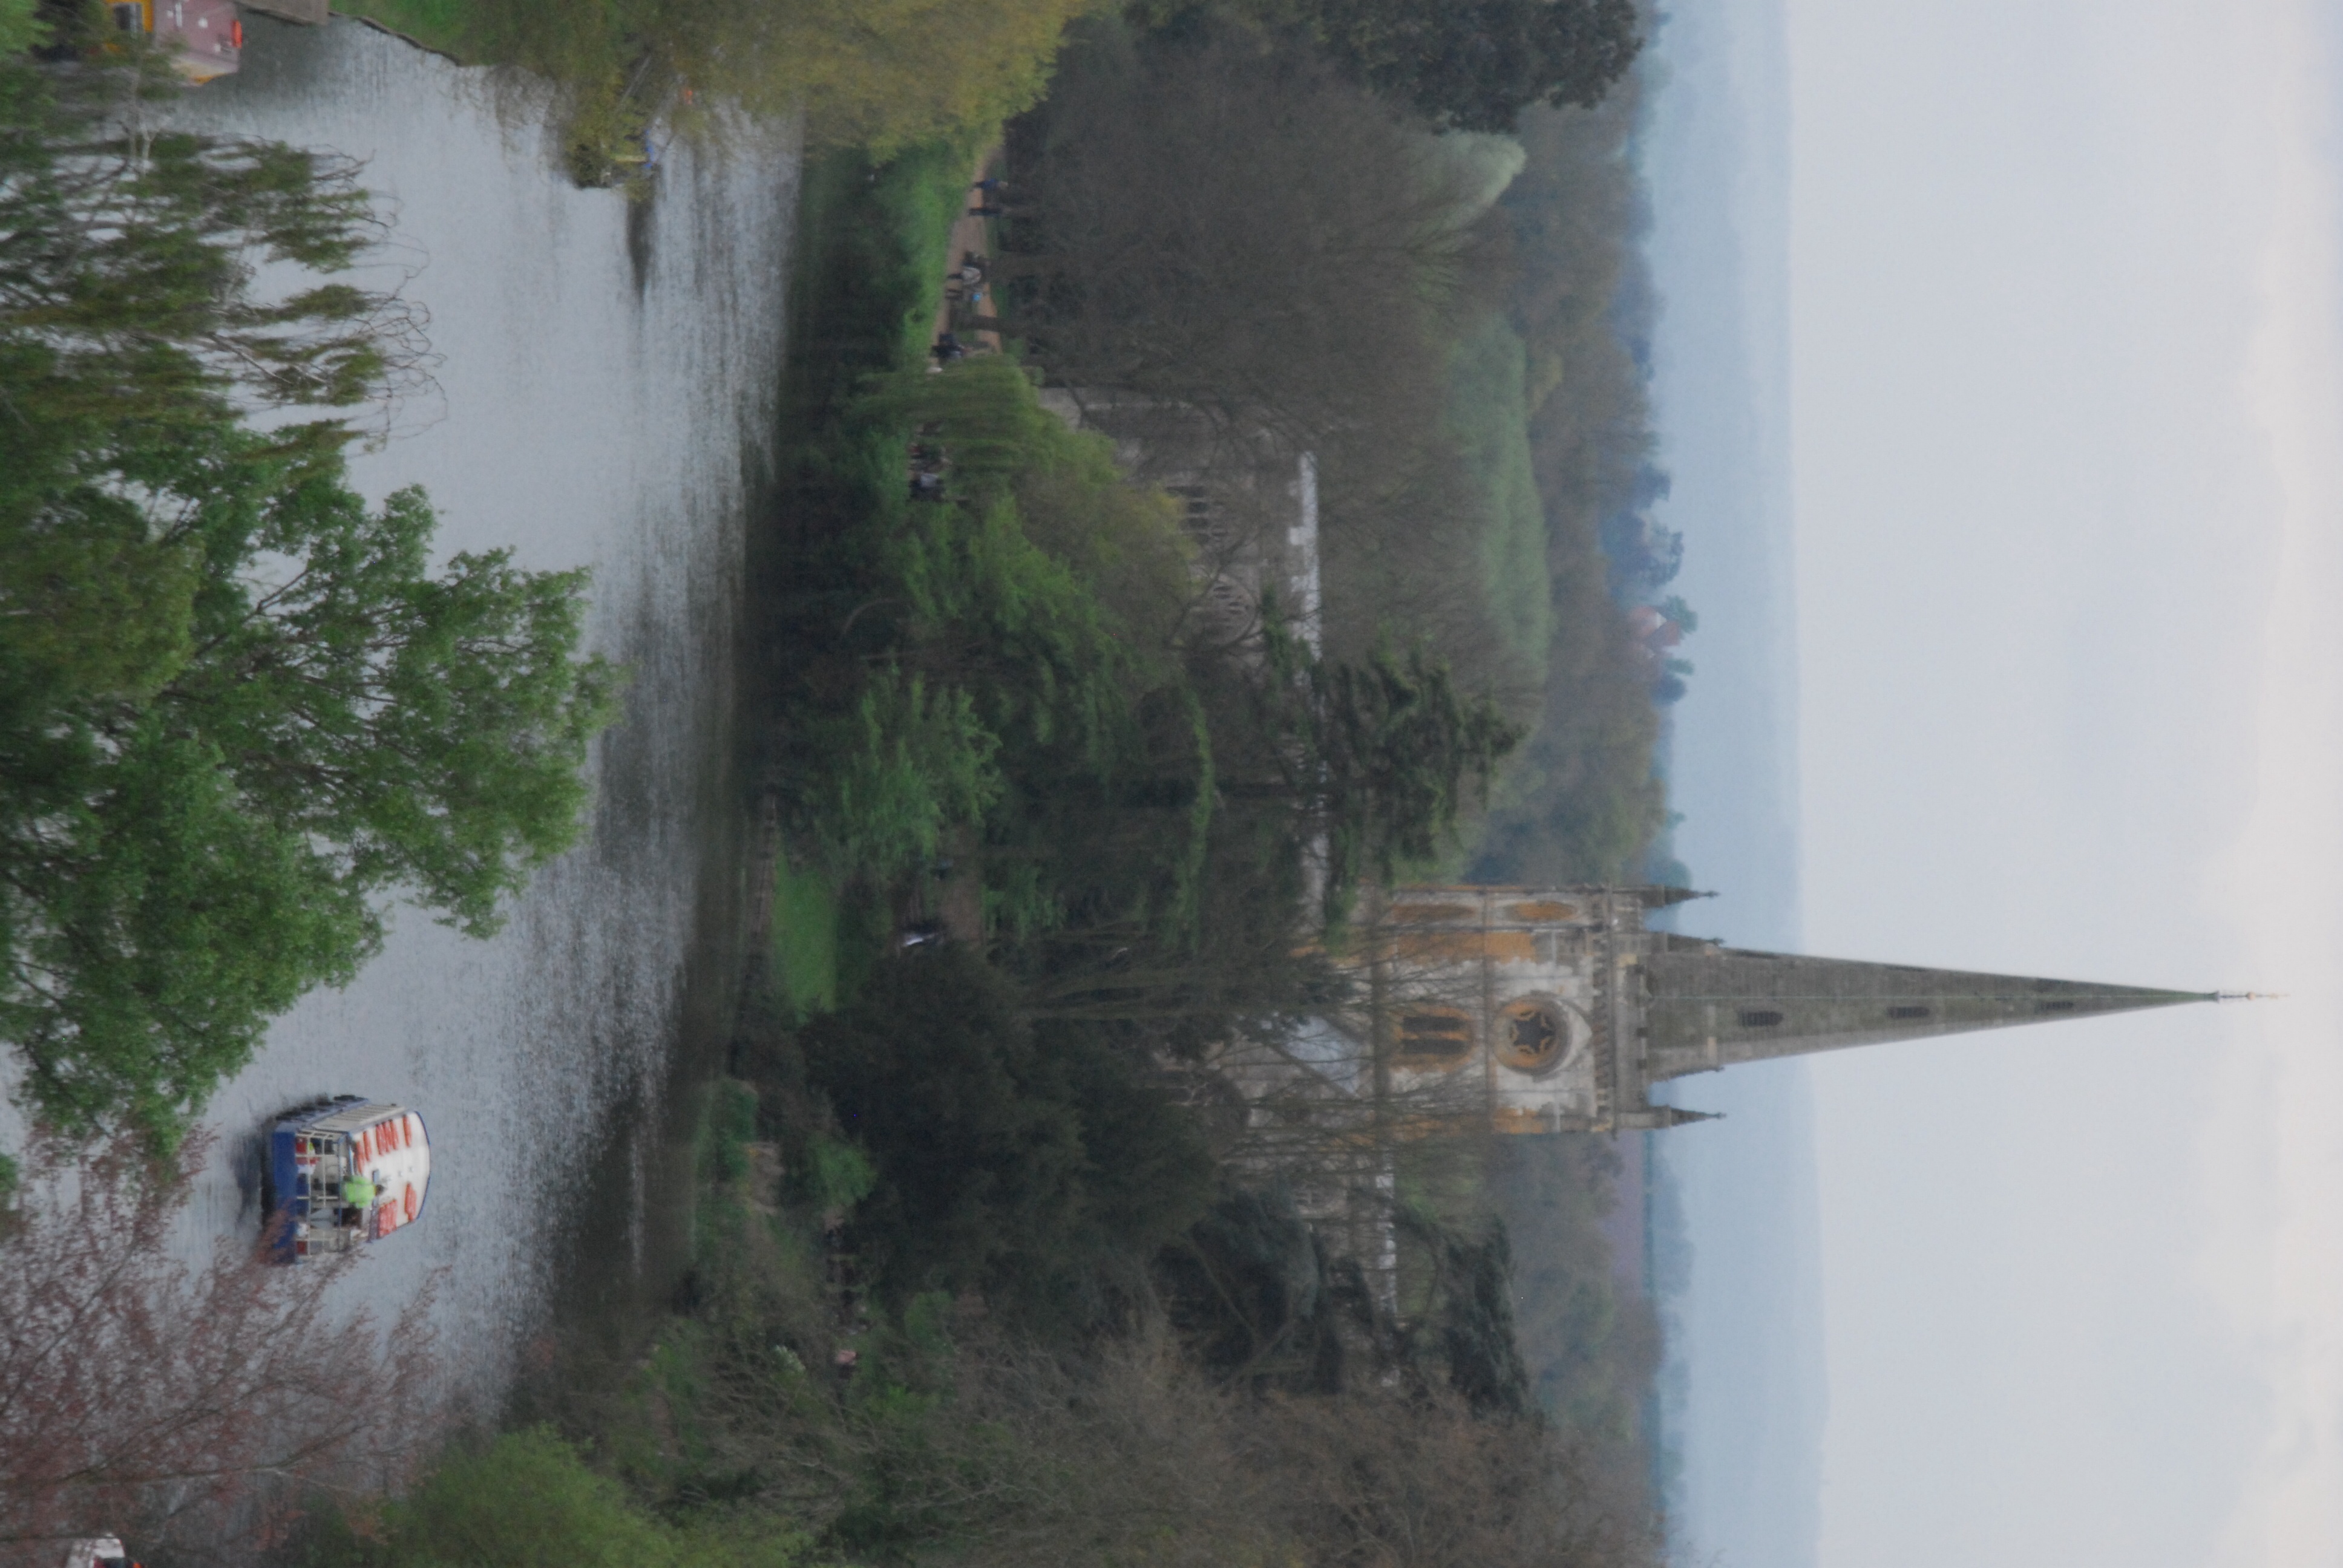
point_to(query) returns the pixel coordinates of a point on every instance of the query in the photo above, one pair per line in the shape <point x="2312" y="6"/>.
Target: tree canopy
<point x="1036" y="1163"/>
<point x="1475" y="65"/>
<point x="235" y="704"/>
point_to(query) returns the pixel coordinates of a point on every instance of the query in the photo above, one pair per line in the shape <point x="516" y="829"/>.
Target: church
<point x="1558" y="1009"/>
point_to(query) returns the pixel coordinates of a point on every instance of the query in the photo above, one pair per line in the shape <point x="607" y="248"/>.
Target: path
<point x="971" y="234"/>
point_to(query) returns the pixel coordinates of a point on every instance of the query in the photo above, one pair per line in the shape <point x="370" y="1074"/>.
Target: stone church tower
<point x="1555" y="1010"/>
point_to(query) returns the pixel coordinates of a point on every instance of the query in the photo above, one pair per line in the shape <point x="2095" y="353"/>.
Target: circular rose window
<point x="1534" y="1033"/>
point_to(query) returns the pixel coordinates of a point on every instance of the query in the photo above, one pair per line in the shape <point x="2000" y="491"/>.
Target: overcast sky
<point x="2068" y="463"/>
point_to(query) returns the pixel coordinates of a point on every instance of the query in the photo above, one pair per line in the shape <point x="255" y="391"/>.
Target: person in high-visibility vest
<point x="357" y="1193"/>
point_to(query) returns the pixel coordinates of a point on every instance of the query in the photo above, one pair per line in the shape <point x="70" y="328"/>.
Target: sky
<point x="2065" y="422"/>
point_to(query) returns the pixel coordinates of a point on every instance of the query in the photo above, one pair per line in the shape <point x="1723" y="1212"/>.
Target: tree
<point x="528" y="1498"/>
<point x="1594" y="1345"/>
<point x="141" y="1396"/>
<point x="883" y="75"/>
<point x="1477" y="65"/>
<point x="1036" y="1163"/>
<point x="20" y="25"/>
<point x="234" y="705"/>
<point x="1385" y="747"/>
<point x="178" y="863"/>
<point x="128" y="250"/>
<point x="1241" y="234"/>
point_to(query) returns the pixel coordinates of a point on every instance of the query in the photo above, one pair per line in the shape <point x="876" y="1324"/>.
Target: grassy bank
<point x="872" y="242"/>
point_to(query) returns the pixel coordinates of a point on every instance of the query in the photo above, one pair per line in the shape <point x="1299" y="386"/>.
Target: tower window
<point x="1759" y="1019"/>
<point x="1908" y="1012"/>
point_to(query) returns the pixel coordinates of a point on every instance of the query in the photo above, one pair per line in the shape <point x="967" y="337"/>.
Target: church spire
<point x="1707" y="1006"/>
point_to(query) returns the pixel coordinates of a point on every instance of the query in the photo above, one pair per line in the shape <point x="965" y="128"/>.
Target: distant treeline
<point x="1213" y="213"/>
<point x="1581" y="800"/>
<point x="1592" y="1346"/>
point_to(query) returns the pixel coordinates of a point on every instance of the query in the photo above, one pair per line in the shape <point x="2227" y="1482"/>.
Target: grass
<point x="1489" y="408"/>
<point x="437" y="22"/>
<point x="805" y="939"/>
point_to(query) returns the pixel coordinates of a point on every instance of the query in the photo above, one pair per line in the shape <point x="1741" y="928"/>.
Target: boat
<point x="343" y="1172"/>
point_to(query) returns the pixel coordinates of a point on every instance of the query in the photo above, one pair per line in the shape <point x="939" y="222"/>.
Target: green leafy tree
<point x="1476" y="65"/>
<point x="524" y="1499"/>
<point x="236" y="704"/>
<point x="182" y="858"/>
<point x="128" y="249"/>
<point x="20" y="25"/>
<point x="528" y="1499"/>
<point x="904" y="764"/>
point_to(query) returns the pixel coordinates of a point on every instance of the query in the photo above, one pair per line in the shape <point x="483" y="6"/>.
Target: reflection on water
<point x="606" y="398"/>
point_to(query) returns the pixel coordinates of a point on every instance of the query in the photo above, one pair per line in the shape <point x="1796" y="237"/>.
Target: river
<point x="605" y="397"/>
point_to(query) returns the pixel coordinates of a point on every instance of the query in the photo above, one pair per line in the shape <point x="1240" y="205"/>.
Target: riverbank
<point x="792" y="937"/>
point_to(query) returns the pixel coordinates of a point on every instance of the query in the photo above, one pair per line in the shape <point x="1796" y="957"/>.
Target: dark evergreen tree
<point x="1038" y="1164"/>
<point x="1476" y="66"/>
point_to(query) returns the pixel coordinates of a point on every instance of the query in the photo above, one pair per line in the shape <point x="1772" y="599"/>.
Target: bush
<point x="1035" y="1164"/>
<point x="525" y="1500"/>
<point x="905" y="762"/>
<point x="528" y="1500"/>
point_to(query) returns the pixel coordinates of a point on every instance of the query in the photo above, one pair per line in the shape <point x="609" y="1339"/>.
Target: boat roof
<point x="353" y="1118"/>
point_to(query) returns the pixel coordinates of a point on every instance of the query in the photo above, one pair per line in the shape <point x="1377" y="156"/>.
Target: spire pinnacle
<point x="1709" y="1007"/>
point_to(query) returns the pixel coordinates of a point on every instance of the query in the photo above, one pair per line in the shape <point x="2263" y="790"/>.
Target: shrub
<point x="525" y="1500"/>
<point x="1036" y="1164"/>
<point x="903" y="763"/>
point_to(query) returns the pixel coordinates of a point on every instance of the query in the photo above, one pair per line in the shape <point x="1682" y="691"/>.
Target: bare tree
<point x="180" y="1407"/>
<point x="1413" y="1479"/>
<point x="1240" y="234"/>
<point x="1228" y="256"/>
<point x="999" y="1451"/>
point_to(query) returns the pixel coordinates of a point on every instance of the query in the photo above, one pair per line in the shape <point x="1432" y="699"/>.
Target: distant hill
<point x="1743" y="1395"/>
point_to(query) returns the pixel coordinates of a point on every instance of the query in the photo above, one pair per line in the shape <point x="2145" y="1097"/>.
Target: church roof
<point x="1707" y="1006"/>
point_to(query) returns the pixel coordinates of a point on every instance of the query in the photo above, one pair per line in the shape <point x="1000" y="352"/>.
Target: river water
<point x="605" y="397"/>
